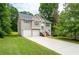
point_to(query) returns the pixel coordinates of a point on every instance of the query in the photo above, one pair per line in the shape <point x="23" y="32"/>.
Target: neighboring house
<point x="29" y="25"/>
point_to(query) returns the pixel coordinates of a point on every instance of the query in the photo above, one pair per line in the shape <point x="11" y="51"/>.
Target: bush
<point x="2" y="33"/>
<point x="7" y="30"/>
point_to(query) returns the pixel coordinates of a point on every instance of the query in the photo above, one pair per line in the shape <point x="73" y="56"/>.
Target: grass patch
<point x="66" y="39"/>
<point x="16" y="45"/>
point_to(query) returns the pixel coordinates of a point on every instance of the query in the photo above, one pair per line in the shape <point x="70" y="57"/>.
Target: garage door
<point x="36" y="32"/>
<point x="26" y="33"/>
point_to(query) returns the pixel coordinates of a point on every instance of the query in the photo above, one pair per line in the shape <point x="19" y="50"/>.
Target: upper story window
<point x="47" y="24"/>
<point x="26" y="21"/>
<point x="36" y="23"/>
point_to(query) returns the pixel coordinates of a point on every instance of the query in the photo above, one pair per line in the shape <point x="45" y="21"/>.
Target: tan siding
<point x="19" y="26"/>
<point x="25" y="25"/>
<point x="35" y="26"/>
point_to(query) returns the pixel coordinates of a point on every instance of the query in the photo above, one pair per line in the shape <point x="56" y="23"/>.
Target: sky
<point x="32" y="7"/>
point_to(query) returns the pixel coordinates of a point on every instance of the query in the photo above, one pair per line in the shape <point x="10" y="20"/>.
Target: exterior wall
<point x="48" y="29"/>
<point x="42" y="29"/>
<point x="29" y="33"/>
<point x="35" y="25"/>
<point x="25" y="28"/>
<point x="26" y="25"/>
<point x="32" y="27"/>
<point x="26" y="33"/>
<point x="45" y="28"/>
<point x="19" y="26"/>
<point x="22" y="25"/>
<point x="36" y="33"/>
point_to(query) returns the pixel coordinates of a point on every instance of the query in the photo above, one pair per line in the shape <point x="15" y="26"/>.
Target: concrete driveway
<point x="62" y="47"/>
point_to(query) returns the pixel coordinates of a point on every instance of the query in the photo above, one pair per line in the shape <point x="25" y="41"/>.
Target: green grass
<point x="17" y="45"/>
<point x="66" y="39"/>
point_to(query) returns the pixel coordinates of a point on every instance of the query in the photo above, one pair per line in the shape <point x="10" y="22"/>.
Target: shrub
<point x="2" y="33"/>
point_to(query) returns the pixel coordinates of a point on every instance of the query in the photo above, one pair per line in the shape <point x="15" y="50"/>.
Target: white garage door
<point x="36" y="32"/>
<point x="26" y="33"/>
<point x="29" y="33"/>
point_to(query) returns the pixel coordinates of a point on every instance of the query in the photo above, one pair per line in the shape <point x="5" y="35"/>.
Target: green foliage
<point x="14" y="17"/>
<point x="2" y="33"/>
<point x="69" y="21"/>
<point x="5" y="22"/>
<point x="49" y="11"/>
<point x="8" y="19"/>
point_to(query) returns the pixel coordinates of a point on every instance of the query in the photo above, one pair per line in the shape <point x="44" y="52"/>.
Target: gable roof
<point x="25" y="16"/>
<point x="42" y="19"/>
<point x="35" y="17"/>
<point x="47" y="21"/>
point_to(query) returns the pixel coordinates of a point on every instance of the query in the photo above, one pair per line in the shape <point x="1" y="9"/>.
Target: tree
<point x="14" y="17"/>
<point x="69" y="21"/>
<point x="74" y="12"/>
<point x="8" y="18"/>
<point x="4" y="18"/>
<point x="49" y="11"/>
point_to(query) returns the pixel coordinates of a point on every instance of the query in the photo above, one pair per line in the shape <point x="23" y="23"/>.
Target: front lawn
<point x="17" y="45"/>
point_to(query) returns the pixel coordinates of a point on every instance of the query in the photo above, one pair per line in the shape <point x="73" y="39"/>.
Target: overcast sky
<point x="32" y="7"/>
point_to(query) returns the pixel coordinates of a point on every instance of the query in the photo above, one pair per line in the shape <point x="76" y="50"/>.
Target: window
<point x="42" y="27"/>
<point x="26" y="21"/>
<point x="36" y="23"/>
<point x="27" y="25"/>
<point x="49" y="30"/>
<point x="47" y="24"/>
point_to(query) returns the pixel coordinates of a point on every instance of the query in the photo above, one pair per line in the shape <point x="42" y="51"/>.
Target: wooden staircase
<point x="44" y="34"/>
<point x="47" y="34"/>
